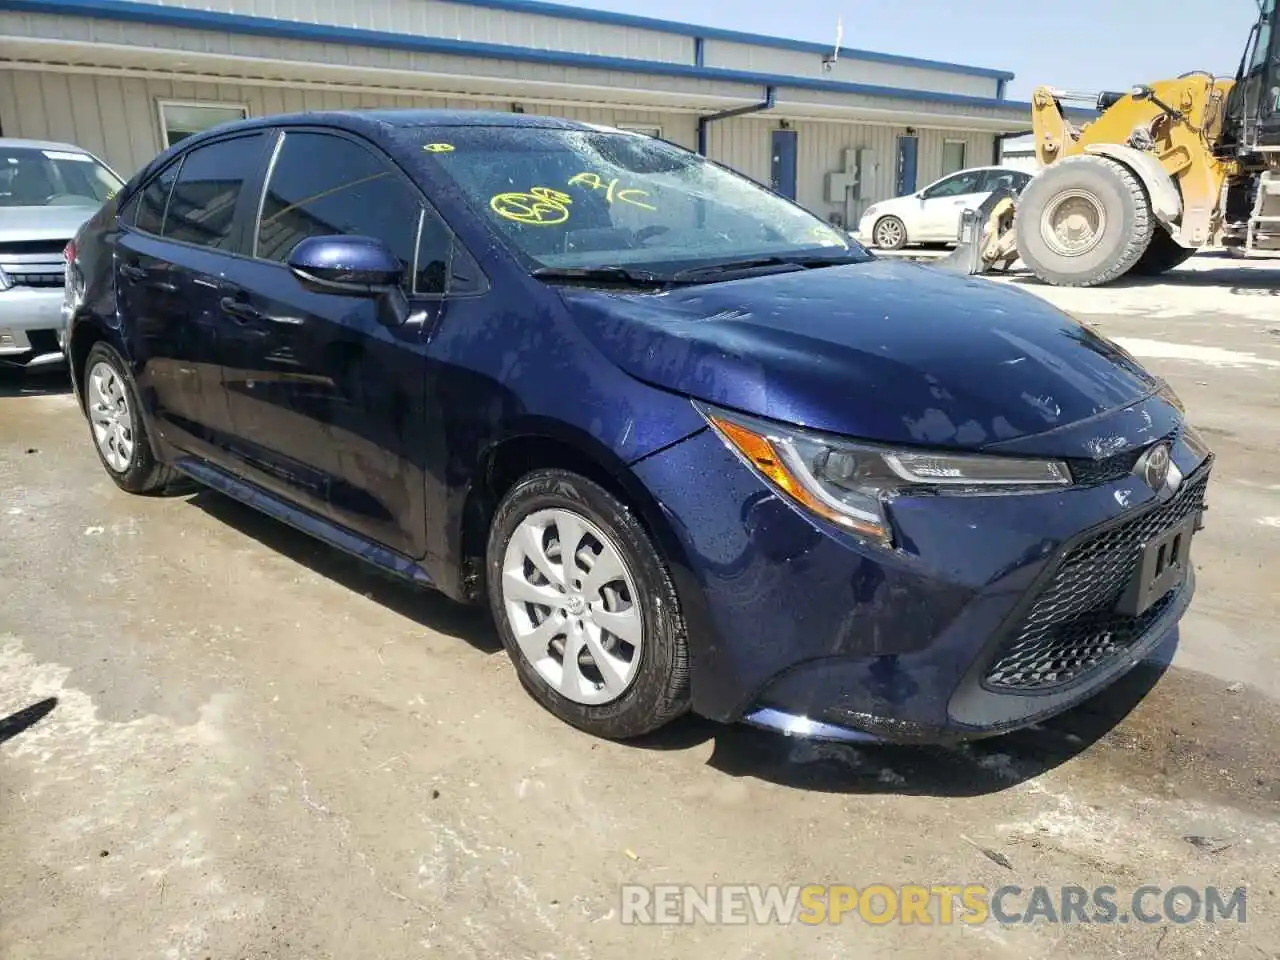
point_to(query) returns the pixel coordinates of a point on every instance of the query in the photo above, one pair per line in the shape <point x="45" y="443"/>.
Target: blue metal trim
<point x="184" y="18"/>
<point x="1001" y="84"/>
<point x="699" y="52"/>
<point x="565" y="12"/>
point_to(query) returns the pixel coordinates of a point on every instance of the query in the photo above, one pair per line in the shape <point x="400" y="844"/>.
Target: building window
<point x="953" y="158"/>
<point x="180" y="120"/>
<point x="648" y="131"/>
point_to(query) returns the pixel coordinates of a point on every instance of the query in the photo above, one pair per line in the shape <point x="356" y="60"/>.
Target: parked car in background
<point x="47" y="190"/>
<point x="693" y="447"/>
<point x="932" y="215"/>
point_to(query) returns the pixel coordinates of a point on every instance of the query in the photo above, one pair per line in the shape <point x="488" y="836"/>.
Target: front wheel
<point x="585" y="607"/>
<point x="889" y="233"/>
<point x="1083" y="222"/>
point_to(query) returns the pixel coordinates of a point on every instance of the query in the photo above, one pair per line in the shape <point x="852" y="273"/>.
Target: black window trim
<point x="127" y="213"/>
<point x="425" y="207"/>
<point x="237" y="217"/>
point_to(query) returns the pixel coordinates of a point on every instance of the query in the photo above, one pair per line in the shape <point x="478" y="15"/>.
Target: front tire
<point x="116" y="424"/>
<point x="594" y="630"/>
<point x="889" y="233"/>
<point x="1083" y="222"/>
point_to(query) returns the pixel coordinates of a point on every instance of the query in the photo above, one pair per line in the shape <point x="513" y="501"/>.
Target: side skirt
<point x="334" y="535"/>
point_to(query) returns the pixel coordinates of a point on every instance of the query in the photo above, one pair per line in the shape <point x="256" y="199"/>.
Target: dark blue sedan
<point x="693" y="447"/>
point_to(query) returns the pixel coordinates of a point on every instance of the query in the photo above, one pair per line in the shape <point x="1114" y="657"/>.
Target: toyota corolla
<point x="693" y="448"/>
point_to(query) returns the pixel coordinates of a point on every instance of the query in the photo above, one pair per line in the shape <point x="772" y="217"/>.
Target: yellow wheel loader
<point x="1161" y="171"/>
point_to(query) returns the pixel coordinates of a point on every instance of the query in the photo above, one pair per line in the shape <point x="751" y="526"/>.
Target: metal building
<point x="124" y="79"/>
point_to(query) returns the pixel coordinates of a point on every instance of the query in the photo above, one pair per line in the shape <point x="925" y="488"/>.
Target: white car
<point x="932" y="215"/>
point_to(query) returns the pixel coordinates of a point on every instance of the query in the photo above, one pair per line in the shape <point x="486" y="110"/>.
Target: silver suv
<point x="47" y="190"/>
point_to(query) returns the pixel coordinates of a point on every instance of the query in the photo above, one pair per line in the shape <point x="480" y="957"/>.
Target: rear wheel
<point x="116" y="424"/>
<point x="585" y="607"/>
<point x="1083" y="222"/>
<point x="889" y="233"/>
<point x="1162" y="255"/>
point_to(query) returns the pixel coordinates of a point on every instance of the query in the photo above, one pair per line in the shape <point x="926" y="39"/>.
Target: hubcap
<point x="1074" y="223"/>
<point x="888" y="233"/>
<point x="572" y="604"/>
<point x="108" y="403"/>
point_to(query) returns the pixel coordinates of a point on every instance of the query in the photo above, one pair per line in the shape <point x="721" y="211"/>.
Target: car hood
<point x="886" y="351"/>
<point x="42" y="223"/>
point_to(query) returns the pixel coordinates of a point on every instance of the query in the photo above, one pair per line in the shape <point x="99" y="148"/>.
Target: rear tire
<point x="1083" y="222"/>
<point x="889" y="233"/>
<point x="1162" y="255"/>
<point x="117" y="426"/>
<point x="610" y="598"/>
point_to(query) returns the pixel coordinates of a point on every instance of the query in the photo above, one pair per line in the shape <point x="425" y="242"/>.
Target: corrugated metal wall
<point x="797" y="63"/>
<point x="744" y="144"/>
<point x="118" y="118"/>
<point x="439" y="18"/>
<point x="434" y="18"/>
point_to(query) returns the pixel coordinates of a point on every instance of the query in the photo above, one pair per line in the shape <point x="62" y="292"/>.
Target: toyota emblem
<point x="1155" y="466"/>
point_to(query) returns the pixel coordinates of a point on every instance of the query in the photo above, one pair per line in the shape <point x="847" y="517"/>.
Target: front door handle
<point x="131" y="272"/>
<point x="239" y="310"/>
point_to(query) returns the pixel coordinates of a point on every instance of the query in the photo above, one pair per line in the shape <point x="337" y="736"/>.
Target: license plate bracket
<point x="1162" y="566"/>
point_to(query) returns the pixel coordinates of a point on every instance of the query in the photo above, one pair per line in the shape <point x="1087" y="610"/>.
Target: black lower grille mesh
<point x="1073" y="626"/>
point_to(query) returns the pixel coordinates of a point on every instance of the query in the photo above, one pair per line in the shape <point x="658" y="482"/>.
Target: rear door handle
<point x="240" y="311"/>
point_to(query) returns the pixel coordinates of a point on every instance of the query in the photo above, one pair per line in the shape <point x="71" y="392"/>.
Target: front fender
<point x="1166" y="201"/>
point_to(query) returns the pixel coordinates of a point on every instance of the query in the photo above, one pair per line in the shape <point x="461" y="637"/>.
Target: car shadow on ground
<point x="423" y="606"/>
<point x="15" y="382"/>
<point x="969" y="769"/>
<point x="973" y="769"/>
<point x="26" y="718"/>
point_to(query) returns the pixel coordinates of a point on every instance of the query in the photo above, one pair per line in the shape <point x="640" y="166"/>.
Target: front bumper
<point x="798" y="627"/>
<point x="30" y="325"/>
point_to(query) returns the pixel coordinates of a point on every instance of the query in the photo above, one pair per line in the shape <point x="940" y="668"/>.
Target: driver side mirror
<point x="353" y="267"/>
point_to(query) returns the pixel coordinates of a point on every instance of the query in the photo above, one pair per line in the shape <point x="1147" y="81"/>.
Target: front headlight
<point x="849" y="483"/>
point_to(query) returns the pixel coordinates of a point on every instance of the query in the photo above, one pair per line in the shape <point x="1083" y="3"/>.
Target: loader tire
<point x="1162" y="255"/>
<point x="1083" y="222"/>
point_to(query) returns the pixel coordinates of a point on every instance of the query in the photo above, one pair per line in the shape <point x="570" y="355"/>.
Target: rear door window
<point x="209" y="185"/>
<point x="146" y="208"/>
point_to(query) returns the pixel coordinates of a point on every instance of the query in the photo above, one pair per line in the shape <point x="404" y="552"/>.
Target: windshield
<point x="45" y="178"/>
<point x="576" y="199"/>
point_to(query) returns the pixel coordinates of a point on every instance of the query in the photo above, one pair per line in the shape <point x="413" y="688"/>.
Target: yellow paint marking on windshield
<point x="592" y="180"/>
<point x="631" y="195"/>
<point x="438" y="148"/>
<point x="828" y="235"/>
<point x="540" y="207"/>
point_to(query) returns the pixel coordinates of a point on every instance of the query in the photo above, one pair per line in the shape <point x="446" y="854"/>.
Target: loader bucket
<point x="986" y="236"/>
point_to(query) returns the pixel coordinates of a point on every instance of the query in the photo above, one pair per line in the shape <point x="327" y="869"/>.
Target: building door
<point x="907" y="150"/>
<point x="784" y="163"/>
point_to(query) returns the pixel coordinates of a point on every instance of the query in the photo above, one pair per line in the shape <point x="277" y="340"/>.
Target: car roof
<point x="407" y="118"/>
<point x="20" y="144"/>
<point x="383" y="124"/>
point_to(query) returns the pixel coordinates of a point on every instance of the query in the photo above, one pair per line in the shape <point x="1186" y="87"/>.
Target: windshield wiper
<point x="624" y="276"/>
<point x="799" y="261"/>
